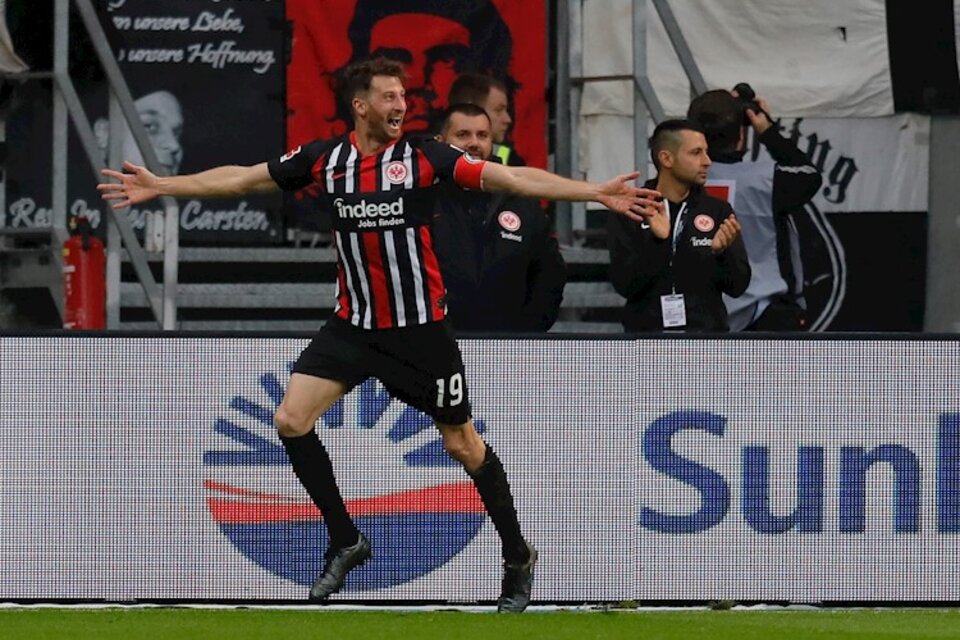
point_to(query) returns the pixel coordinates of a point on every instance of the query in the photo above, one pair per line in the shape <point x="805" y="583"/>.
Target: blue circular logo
<point x="414" y="502"/>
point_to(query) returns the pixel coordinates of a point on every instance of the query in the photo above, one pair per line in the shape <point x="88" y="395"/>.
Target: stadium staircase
<point x="291" y="288"/>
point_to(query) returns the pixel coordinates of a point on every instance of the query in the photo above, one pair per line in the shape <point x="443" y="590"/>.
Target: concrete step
<point x="27" y="268"/>
<point x="298" y="326"/>
<point x="247" y="255"/>
<point x="270" y="295"/>
<point x="572" y="255"/>
<point x="259" y="295"/>
<point x="26" y="233"/>
<point x="570" y="326"/>
<point x="310" y="326"/>
<point x="588" y="295"/>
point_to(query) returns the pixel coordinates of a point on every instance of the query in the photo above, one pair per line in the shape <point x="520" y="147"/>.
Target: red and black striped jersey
<point x="382" y="206"/>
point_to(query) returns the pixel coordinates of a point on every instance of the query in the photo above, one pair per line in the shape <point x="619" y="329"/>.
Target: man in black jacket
<point x="500" y="262"/>
<point x="766" y="194"/>
<point x="493" y="96"/>
<point x="673" y="269"/>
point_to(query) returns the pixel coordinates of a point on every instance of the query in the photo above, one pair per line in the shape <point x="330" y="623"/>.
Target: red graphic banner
<point x="436" y="40"/>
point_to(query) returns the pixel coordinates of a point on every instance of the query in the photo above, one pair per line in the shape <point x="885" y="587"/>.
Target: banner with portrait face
<point x="436" y="40"/>
<point x="207" y="79"/>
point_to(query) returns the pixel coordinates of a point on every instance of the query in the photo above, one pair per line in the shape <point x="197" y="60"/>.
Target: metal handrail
<point x="680" y="46"/>
<point x="571" y="79"/>
<point x="164" y="307"/>
<point x="66" y="103"/>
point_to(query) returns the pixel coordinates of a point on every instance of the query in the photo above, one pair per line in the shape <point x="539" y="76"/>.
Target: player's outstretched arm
<point x="618" y="194"/>
<point x="137" y="184"/>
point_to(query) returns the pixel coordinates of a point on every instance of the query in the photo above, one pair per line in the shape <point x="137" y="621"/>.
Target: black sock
<point x="315" y="471"/>
<point x="494" y="490"/>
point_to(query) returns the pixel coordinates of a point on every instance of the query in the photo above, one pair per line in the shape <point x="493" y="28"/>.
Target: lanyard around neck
<point x="678" y="224"/>
<point x="677" y="228"/>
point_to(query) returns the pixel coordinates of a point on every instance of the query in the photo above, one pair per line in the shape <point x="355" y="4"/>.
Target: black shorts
<point x="420" y="365"/>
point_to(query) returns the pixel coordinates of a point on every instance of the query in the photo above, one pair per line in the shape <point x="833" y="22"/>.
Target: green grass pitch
<point x="303" y="624"/>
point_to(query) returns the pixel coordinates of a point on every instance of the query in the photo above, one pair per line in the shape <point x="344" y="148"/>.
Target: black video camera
<point x="748" y="100"/>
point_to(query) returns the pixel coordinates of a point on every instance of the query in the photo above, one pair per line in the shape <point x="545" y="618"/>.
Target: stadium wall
<point x="145" y="468"/>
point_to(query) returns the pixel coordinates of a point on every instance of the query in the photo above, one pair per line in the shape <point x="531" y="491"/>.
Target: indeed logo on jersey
<point x="383" y="214"/>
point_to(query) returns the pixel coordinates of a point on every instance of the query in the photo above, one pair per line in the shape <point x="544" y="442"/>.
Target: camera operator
<point x="765" y="194"/>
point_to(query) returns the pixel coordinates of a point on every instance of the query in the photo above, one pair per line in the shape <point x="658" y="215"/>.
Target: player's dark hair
<point x="357" y="77"/>
<point x="474" y="88"/>
<point x="667" y="136"/>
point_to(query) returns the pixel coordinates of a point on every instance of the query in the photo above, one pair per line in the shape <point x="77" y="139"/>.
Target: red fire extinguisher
<point x="84" y="278"/>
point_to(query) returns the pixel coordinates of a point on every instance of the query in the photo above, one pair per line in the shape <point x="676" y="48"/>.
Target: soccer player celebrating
<point x="389" y="318"/>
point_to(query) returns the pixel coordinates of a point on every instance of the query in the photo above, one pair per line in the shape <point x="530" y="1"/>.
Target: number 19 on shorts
<point x="450" y="391"/>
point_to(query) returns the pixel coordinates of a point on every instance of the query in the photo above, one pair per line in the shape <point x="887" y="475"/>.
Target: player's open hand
<point x="726" y="234"/>
<point x="623" y="197"/>
<point x="137" y="185"/>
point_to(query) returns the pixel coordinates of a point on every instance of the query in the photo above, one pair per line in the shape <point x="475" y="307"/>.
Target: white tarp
<point x="794" y="55"/>
<point x="813" y="58"/>
<point x="867" y="164"/>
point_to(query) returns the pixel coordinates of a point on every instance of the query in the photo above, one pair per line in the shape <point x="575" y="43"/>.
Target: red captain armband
<point x="467" y="172"/>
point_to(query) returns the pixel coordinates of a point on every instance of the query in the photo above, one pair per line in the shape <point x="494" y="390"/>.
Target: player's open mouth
<point x="395" y="122"/>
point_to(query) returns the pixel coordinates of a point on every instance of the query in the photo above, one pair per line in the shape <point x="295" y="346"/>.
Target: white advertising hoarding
<point x="150" y="469"/>
<point x="800" y="470"/>
<point x="147" y="468"/>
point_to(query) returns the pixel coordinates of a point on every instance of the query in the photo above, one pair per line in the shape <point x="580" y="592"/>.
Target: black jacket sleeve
<point x="546" y="277"/>
<point x="637" y="257"/>
<point x="795" y="179"/>
<point x="733" y="269"/>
